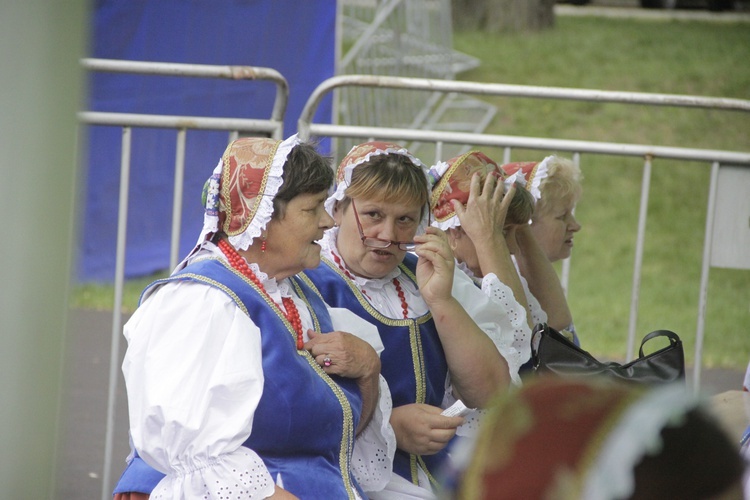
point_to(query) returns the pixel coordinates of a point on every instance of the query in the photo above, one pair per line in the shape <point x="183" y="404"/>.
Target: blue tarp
<point x="296" y="38"/>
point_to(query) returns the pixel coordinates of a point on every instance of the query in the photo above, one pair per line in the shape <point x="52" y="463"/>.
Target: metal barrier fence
<point x="271" y="127"/>
<point x="307" y="128"/>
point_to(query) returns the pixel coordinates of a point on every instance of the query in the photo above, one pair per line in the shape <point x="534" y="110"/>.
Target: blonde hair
<point x="562" y="184"/>
<point x="392" y="177"/>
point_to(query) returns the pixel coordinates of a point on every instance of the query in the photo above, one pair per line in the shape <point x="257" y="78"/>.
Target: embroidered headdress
<point x="557" y="438"/>
<point x="238" y="197"/>
<point x="533" y="172"/>
<point x="453" y="180"/>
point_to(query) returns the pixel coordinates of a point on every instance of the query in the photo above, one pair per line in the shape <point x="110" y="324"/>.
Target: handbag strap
<point x="673" y="339"/>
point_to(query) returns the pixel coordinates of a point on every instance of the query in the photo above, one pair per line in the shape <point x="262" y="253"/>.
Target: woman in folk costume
<point x="485" y="214"/>
<point x="555" y="183"/>
<point x="434" y="323"/>
<point x="576" y="439"/>
<point x="241" y="382"/>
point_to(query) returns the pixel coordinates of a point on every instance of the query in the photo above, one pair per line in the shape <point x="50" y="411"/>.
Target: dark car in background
<point x="714" y="5"/>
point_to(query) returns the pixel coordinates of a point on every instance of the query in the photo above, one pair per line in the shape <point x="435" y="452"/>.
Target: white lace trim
<point x="240" y="474"/>
<point x="375" y="447"/>
<point x="637" y="434"/>
<point x="542" y="171"/>
<point x="514" y="347"/>
<point x="265" y="209"/>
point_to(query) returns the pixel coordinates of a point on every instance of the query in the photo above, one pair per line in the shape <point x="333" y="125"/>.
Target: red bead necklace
<point x="400" y="291"/>
<point x="291" y="313"/>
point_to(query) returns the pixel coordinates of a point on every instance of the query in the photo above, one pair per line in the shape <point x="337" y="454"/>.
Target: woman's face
<point x="554" y="230"/>
<point x="385" y="221"/>
<point x="464" y="250"/>
<point x="290" y="240"/>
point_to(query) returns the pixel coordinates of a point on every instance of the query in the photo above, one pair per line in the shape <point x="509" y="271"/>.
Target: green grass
<point x="698" y="58"/>
<point x="676" y="57"/>
<point x="101" y="296"/>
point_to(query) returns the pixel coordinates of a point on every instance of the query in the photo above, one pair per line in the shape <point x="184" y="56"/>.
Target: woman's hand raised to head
<point x="341" y="353"/>
<point x="483" y="217"/>
<point x="435" y="266"/>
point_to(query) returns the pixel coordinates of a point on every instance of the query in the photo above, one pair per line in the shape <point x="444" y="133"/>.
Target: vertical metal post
<point x="438" y="151"/>
<point x="642" y="215"/>
<point x="506" y="154"/>
<point x="114" y="357"/>
<point x="179" y="181"/>
<point x="703" y="298"/>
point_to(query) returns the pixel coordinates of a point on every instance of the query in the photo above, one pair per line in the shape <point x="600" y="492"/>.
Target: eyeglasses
<point x="406" y="246"/>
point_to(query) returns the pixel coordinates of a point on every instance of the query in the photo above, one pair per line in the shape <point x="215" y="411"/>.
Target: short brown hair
<point x="392" y="177"/>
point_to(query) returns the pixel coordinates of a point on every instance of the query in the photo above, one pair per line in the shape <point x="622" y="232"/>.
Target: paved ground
<point x="86" y="389"/>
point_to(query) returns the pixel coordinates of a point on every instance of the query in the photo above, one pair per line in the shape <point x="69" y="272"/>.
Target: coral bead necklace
<point x="400" y="291"/>
<point x="291" y="313"/>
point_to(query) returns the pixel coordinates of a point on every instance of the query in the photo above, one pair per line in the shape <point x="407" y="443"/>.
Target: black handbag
<point x="557" y="355"/>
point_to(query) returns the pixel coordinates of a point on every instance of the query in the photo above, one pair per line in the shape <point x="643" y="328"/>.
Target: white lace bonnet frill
<point x="362" y="153"/>
<point x="238" y="197"/>
<point x="452" y="181"/>
<point x="533" y="173"/>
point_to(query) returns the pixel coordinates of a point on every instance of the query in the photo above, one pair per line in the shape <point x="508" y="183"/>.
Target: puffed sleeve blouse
<point x="194" y="377"/>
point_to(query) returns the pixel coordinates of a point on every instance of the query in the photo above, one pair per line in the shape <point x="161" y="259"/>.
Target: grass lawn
<point x="679" y="57"/>
<point x="699" y="58"/>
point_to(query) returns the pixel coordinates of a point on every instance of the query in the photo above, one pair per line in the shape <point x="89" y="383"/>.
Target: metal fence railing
<point x="717" y="158"/>
<point x="271" y="127"/>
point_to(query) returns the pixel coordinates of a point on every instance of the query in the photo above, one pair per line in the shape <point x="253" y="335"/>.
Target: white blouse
<point x="194" y="378"/>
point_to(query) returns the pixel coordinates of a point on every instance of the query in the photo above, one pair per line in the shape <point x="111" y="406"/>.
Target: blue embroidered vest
<point x="413" y="362"/>
<point x="304" y="425"/>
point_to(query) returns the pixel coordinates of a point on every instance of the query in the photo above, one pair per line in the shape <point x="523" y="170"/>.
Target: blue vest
<point x="304" y="426"/>
<point x="413" y="362"/>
